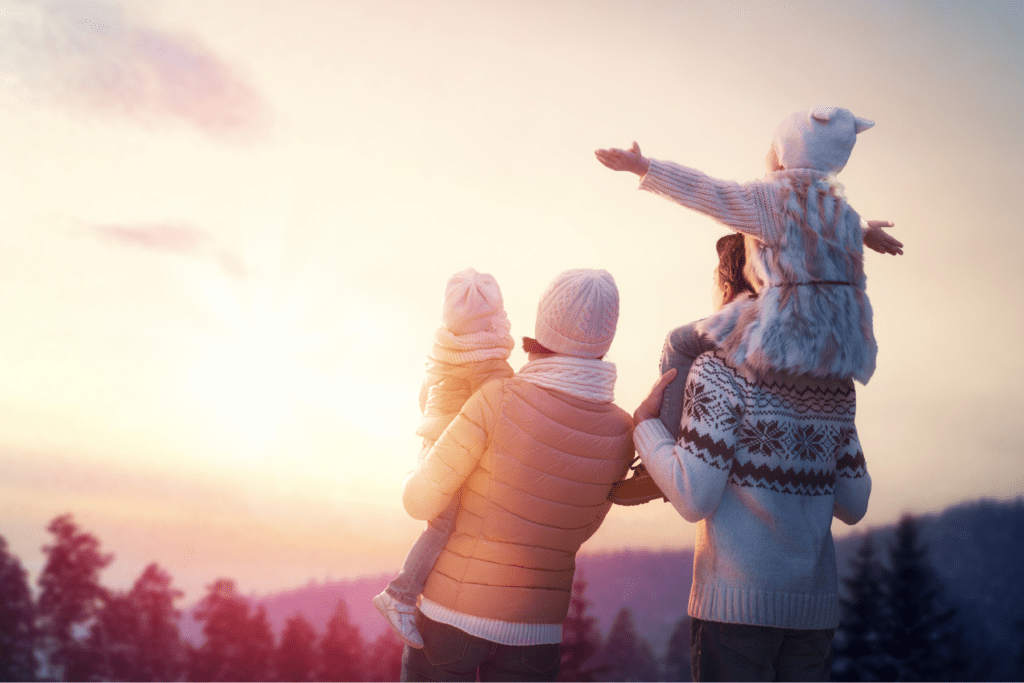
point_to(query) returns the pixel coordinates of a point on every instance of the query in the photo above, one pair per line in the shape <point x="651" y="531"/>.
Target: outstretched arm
<point x="879" y="240"/>
<point x="624" y="159"/>
<point x="741" y="208"/>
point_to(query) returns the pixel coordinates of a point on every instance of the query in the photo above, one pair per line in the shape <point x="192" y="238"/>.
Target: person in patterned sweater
<point x="762" y="465"/>
<point x="768" y="452"/>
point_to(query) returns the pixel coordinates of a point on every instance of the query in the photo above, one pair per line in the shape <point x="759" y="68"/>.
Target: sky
<point x="225" y="230"/>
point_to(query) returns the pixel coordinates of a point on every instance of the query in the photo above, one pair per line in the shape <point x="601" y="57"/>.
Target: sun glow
<point x="285" y="358"/>
<point x="247" y="381"/>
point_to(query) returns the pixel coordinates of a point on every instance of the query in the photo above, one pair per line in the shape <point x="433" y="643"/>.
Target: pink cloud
<point x="94" y="55"/>
<point x="174" y="238"/>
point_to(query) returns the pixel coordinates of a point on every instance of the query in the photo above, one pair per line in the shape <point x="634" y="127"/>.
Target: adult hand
<point x="878" y="239"/>
<point x="651" y="406"/>
<point x="624" y="159"/>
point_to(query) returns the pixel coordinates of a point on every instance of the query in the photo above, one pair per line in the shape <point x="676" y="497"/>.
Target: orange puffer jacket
<point x="534" y="467"/>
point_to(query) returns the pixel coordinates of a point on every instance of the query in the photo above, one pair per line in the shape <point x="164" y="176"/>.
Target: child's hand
<point x="878" y="239"/>
<point x="624" y="159"/>
<point x="651" y="407"/>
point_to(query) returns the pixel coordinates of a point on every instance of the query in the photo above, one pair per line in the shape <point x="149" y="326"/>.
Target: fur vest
<point x="812" y="316"/>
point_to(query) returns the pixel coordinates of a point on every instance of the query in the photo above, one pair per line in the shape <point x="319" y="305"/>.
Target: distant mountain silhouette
<point x="976" y="547"/>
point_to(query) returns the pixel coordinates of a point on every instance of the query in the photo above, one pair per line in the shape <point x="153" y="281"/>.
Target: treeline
<point x="79" y="630"/>
<point x="898" y="624"/>
<point x="625" y="655"/>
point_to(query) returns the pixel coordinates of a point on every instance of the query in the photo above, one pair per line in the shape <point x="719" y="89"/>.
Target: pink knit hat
<point x="578" y="312"/>
<point x="820" y="138"/>
<point x="472" y="303"/>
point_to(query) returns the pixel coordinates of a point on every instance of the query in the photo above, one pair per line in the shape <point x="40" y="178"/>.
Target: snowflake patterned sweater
<point x="762" y="464"/>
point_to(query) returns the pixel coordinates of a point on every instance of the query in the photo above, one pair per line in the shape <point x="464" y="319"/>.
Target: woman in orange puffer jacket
<point x="533" y="458"/>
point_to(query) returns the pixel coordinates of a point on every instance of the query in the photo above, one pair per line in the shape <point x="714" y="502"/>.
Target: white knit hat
<point x="578" y="312"/>
<point x="820" y="138"/>
<point x="472" y="303"/>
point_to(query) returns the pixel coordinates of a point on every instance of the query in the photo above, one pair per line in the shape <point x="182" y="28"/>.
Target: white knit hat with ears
<point x="820" y="138"/>
<point x="472" y="303"/>
<point x="578" y="312"/>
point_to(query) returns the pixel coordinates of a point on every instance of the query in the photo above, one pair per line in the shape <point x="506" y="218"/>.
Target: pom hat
<point x="578" y="312"/>
<point x="472" y="303"/>
<point x="820" y="138"/>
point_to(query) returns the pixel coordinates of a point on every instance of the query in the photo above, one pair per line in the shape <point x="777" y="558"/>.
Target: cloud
<point x="174" y="238"/>
<point x="99" y="57"/>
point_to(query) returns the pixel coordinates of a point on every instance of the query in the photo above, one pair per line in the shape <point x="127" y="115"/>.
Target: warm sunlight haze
<point x="226" y="230"/>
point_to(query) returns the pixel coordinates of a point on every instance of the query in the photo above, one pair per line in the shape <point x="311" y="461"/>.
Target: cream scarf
<point x="458" y="349"/>
<point x="586" y="378"/>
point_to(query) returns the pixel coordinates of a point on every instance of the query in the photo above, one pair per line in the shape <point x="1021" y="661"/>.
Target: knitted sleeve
<point x="751" y="209"/>
<point x="694" y="471"/>
<point x="437" y="478"/>
<point x="682" y="346"/>
<point x="853" y="483"/>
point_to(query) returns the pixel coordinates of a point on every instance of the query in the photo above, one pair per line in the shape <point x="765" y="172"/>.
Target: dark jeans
<point x="450" y="654"/>
<point x="738" y="652"/>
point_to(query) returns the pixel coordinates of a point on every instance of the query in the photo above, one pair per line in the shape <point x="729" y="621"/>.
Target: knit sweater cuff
<point x="650" y="435"/>
<point x="718" y="601"/>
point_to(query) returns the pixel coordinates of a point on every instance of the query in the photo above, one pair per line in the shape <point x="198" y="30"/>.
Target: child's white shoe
<point x="402" y="618"/>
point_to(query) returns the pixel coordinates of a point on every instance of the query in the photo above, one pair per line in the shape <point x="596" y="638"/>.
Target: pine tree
<point x="114" y="636"/>
<point x="627" y="654"/>
<point x="858" y="655"/>
<point x="580" y="639"/>
<point x="225" y="617"/>
<point x="70" y="600"/>
<point x="138" y="631"/>
<point x="258" y="647"/>
<point x="161" y="652"/>
<point x="17" y="620"/>
<point x="341" y="649"/>
<point x="296" y="657"/>
<point x="920" y="637"/>
<point x="676" y="664"/>
<point x="385" y="660"/>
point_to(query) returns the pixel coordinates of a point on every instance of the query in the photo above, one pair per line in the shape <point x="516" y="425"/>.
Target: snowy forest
<point x="902" y="618"/>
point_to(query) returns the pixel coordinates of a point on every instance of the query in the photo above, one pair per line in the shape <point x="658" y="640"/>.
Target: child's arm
<point x="879" y="240"/>
<point x="749" y="208"/>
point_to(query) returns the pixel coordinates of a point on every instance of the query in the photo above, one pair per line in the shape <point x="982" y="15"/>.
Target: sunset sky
<point x="225" y="230"/>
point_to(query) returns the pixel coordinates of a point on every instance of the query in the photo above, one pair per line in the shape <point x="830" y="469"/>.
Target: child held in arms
<point x="471" y="348"/>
